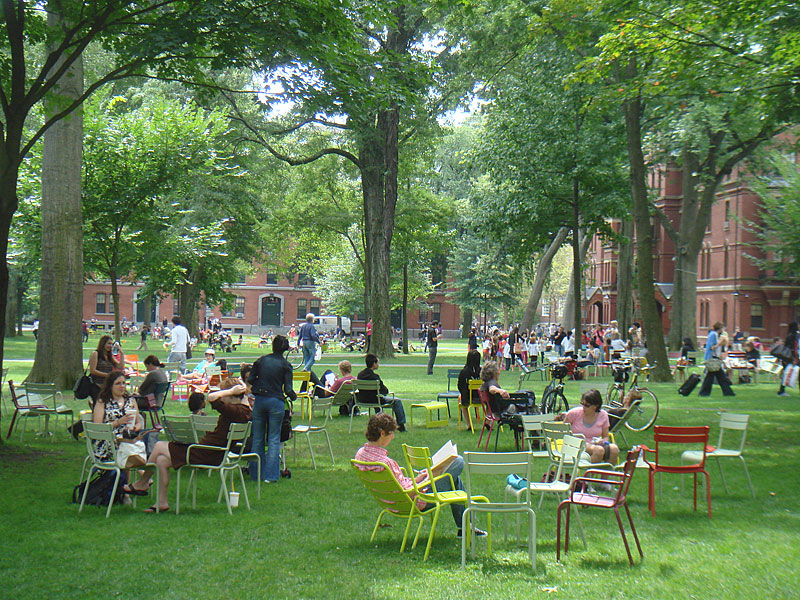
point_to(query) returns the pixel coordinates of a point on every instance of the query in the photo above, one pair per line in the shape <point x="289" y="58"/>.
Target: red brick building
<point x="265" y="300"/>
<point x="730" y="287"/>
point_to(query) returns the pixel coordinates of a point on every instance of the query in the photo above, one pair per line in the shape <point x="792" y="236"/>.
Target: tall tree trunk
<point x="404" y="348"/>
<point x="115" y="300"/>
<point x="378" y="157"/>
<point x="12" y="305"/>
<point x="466" y="321"/>
<point x="59" y="356"/>
<point x="189" y="298"/>
<point x="147" y="309"/>
<point x="542" y="271"/>
<point x="570" y="314"/>
<point x="22" y="287"/>
<point x="654" y="332"/>
<point x="625" y="273"/>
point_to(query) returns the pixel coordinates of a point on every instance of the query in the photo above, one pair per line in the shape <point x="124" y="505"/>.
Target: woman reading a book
<point x="379" y="434"/>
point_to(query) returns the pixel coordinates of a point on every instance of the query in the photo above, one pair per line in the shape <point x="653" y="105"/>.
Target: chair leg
<point x="330" y="449"/>
<point x="177" y="493"/>
<point x="86" y="487"/>
<point x="722" y="476"/>
<point x="633" y="529"/>
<point x="222" y="476"/>
<point x="708" y="492"/>
<point x="622" y="532"/>
<point x="433" y="530"/>
<point x="311" y="451"/>
<point x="113" y="492"/>
<point x="747" y="474"/>
<point x="651" y="498"/>
<point x="465" y="527"/>
<point x="532" y="538"/>
<point x="244" y="487"/>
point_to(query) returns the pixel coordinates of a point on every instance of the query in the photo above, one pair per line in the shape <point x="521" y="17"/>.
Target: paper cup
<point x="234" y="497"/>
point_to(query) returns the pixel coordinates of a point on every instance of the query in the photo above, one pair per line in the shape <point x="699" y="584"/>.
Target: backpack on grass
<point x="100" y="487"/>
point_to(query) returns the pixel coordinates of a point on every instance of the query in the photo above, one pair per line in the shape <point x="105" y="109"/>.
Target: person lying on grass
<point x="591" y="421"/>
<point x="234" y="407"/>
<point x="379" y="434"/>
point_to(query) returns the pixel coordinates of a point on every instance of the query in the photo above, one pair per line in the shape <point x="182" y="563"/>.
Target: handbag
<point x="790" y="376"/>
<point x="713" y="365"/>
<point x="782" y="352"/>
<point x="131" y="455"/>
<point x="84" y="387"/>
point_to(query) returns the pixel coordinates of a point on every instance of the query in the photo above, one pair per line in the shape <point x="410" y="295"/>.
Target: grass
<point x="308" y="537"/>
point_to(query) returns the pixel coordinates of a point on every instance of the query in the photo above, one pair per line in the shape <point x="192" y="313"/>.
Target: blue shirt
<point x="711" y="341"/>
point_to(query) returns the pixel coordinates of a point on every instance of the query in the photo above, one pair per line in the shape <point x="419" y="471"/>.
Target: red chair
<point x="488" y="417"/>
<point x="694" y="438"/>
<point x="619" y="479"/>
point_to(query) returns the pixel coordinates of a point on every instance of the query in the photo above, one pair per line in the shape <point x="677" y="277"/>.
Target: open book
<point x="444" y="456"/>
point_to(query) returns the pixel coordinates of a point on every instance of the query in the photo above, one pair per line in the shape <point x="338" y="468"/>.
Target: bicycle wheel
<point x="554" y="402"/>
<point x="614" y="395"/>
<point x="645" y="413"/>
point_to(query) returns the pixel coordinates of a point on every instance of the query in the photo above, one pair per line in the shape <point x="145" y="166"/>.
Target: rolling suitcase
<point x="689" y="385"/>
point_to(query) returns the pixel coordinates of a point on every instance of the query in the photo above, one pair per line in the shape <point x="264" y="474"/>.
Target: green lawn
<point x="308" y="537"/>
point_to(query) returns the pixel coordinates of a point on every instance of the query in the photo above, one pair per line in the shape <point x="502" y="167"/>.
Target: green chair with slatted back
<point x="230" y="464"/>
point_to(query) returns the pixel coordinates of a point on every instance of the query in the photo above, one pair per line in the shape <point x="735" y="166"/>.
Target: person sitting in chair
<point x="370" y="397"/>
<point x="498" y="397"/>
<point x="590" y="420"/>
<point x="379" y="434"/>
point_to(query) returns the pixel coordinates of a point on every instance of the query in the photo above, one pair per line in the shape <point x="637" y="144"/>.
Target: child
<point x="197" y="402"/>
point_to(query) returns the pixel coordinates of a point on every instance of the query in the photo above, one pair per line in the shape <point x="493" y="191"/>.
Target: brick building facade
<point x="264" y="301"/>
<point x="730" y="287"/>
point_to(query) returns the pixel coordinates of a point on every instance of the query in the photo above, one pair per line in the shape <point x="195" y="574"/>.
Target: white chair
<point x="323" y="404"/>
<point x="731" y="422"/>
<point x="496" y="463"/>
<point x="532" y="432"/>
<point x="48" y="396"/>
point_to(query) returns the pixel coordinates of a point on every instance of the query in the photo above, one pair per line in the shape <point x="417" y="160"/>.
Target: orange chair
<point x="132" y="360"/>
<point x="619" y="479"/>
<point x="694" y="438"/>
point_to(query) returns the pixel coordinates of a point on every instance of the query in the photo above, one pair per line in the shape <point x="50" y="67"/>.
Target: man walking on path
<point x="309" y="338"/>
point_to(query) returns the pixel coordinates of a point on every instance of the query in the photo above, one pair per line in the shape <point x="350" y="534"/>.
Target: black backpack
<point x="100" y="489"/>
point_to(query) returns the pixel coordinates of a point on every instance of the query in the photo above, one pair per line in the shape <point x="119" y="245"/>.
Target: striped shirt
<point x="370" y="453"/>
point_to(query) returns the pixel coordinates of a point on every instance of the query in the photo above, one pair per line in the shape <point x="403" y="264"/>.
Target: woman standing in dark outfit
<point x="271" y="380"/>
<point x="471" y="370"/>
<point x="791" y="343"/>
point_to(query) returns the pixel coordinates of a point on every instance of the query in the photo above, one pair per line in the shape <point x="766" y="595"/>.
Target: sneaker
<point x="478" y="533"/>
<point x="783" y="395"/>
<point x="403" y="427"/>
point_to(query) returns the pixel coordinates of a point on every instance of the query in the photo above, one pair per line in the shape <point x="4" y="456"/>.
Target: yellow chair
<point x="304" y="397"/>
<point x="474" y="386"/>
<point x="419" y="459"/>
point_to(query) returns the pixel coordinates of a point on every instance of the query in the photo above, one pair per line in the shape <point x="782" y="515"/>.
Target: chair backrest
<point x="96" y="433"/>
<point x="212" y="370"/>
<point x="384" y="487"/>
<point x="160" y="392"/>
<point x="532" y="427"/>
<point x="179" y="429"/>
<point x="202" y="424"/>
<point x="733" y="422"/>
<point x="320" y="404"/>
<point x="418" y="458"/>
<point x="570" y="456"/>
<point x="133" y="361"/>
<point x="451" y="375"/>
<point x="22" y="401"/>
<point x="624" y="418"/>
<point x="42" y="394"/>
<point x="554" y="432"/>
<point x="343" y="394"/>
<point x="497" y="463"/>
<point x="301" y="376"/>
<point x="474" y="386"/>
<point x="134" y="381"/>
<point x="665" y="435"/>
<point x="487" y="408"/>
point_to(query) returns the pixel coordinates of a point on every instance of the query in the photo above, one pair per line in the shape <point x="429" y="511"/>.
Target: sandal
<point x="129" y="489"/>
<point x="155" y="509"/>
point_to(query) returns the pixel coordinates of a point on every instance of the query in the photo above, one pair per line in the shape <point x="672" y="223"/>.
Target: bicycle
<point x="646" y="411"/>
<point x="553" y="399"/>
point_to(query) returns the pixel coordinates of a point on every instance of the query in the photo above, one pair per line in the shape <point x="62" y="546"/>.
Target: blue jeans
<point x="267" y="415"/>
<point x="443" y="485"/>
<point x="309" y="350"/>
